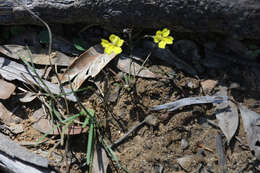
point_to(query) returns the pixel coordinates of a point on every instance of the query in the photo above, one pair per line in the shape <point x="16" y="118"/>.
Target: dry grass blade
<point x="90" y="63"/>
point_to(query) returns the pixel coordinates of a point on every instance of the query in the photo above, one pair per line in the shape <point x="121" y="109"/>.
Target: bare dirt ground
<point x="181" y="141"/>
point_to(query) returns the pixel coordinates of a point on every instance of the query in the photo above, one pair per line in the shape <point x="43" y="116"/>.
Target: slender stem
<point x="129" y="132"/>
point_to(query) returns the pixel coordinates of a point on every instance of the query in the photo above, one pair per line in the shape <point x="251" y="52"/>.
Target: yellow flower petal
<point x="120" y="43"/>
<point x="158" y="33"/>
<point x="114" y="39"/>
<point x="117" y="50"/>
<point x="162" y="44"/>
<point x="105" y="43"/>
<point x="109" y="49"/>
<point x="165" y="32"/>
<point x="168" y="40"/>
<point x="156" y="39"/>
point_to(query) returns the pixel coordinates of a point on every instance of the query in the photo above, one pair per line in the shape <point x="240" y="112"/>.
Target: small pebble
<point x="184" y="144"/>
<point x="190" y="162"/>
<point x="208" y="85"/>
<point x="190" y="85"/>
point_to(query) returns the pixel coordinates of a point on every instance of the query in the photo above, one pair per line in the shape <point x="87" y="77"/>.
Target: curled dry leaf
<point x="191" y="101"/>
<point x="251" y="121"/>
<point x="44" y="125"/>
<point x="88" y="64"/>
<point x="227" y="115"/>
<point x="39" y="56"/>
<point x="126" y="65"/>
<point x="6" y="89"/>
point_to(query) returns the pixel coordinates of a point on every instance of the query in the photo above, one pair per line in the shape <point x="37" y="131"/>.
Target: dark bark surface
<point x="239" y="18"/>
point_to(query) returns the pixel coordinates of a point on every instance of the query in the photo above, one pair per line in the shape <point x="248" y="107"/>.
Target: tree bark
<point x="240" y="18"/>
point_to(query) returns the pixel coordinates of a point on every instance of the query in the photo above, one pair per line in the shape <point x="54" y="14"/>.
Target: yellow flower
<point x="113" y="46"/>
<point x="163" y="38"/>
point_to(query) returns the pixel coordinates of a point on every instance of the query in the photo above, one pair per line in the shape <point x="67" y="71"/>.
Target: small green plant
<point x="80" y="44"/>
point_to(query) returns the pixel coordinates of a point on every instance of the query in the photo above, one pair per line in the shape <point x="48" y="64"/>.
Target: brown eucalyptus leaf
<point x="6" y="89"/>
<point x="5" y="115"/>
<point x="251" y="121"/>
<point x="126" y="65"/>
<point x="38" y="55"/>
<point x="228" y="119"/>
<point x="44" y="125"/>
<point x="88" y="64"/>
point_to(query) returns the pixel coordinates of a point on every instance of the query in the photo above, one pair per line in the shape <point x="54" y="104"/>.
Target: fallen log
<point x="239" y="18"/>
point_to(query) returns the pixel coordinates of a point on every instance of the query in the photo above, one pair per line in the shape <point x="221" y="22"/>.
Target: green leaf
<point x="90" y="142"/>
<point x="80" y="44"/>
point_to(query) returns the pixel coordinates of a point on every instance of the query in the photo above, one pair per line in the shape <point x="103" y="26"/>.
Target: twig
<point x="149" y="120"/>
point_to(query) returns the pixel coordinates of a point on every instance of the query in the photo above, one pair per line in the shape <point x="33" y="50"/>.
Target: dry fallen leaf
<point x="190" y="162"/>
<point x="90" y="63"/>
<point x="12" y="70"/>
<point x="39" y="56"/>
<point x="190" y="101"/>
<point x="6" y="89"/>
<point x="251" y="121"/>
<point x="228" y="119"/>
<point x="28" y="97"/>
<point x="18" y="153"/>
<point x="126" y="65"/>
<point x="5" y="115"/>
<point x="208" y="85"/>
<point x="44" y="125"/>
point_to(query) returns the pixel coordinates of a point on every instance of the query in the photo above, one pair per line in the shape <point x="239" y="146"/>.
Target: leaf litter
<point x="6" y="89"/>
<point x="80" y="70"/>
<point x="44" y="125"/>
<point x="88" y="64"/>
<point x="12" y="70"/>
<point x="251" y="124"/>
<point x="125" y="64"/>
<point x="228" y="119"/>
<point x="38" y="55"/>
